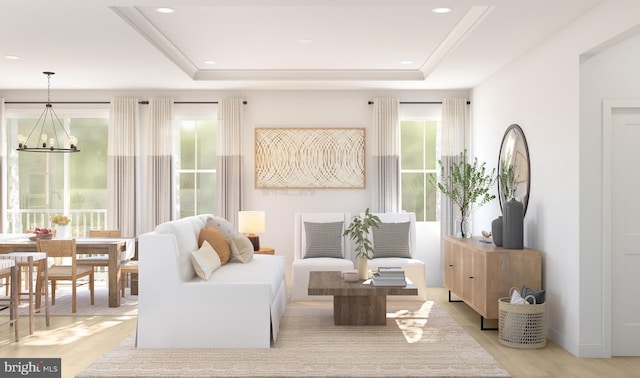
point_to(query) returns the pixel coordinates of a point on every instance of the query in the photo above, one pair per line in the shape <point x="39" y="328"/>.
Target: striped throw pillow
<point x="323" y="239"/>
<point x="391" y="240"/>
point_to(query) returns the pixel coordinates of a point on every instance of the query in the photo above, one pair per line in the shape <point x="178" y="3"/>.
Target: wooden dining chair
<point x="66" y="272"/>
<point x="127" y="268"/>
<point x="99" y="259"/>
<point x="9" y="271"/>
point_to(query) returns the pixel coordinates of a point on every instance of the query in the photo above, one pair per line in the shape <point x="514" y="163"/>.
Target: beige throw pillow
<point x="241" y="247"/>
<point x="205" y="261"/>
<point x="218" y="241"/>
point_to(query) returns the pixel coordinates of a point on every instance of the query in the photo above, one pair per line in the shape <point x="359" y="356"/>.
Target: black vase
<point x="512" y="224"/>
<point x="496" y="231"/>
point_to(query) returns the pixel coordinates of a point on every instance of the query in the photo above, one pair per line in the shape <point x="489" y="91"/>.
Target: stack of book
<point x="389" y="276"/>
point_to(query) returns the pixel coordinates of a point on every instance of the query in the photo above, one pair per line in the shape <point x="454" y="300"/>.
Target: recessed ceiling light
<point x="165" y="10"/>
<point x="210" y="62"/>
<point x="441" y="10"/>
<point x="306" y="40"/>
<point x="407" y="62"/>
<point x="11" y="57"/>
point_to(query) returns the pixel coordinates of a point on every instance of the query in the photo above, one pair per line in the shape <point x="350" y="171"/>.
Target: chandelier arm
<point x="61" y="125"/>
<point x="42" y="115"/>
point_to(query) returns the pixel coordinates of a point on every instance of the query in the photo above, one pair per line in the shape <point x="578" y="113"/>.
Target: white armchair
<point x="397" y="248"/>
<point x="318" y="246"/>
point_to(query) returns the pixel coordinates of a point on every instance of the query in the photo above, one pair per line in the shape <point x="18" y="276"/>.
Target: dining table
<point x="117" y="249"/>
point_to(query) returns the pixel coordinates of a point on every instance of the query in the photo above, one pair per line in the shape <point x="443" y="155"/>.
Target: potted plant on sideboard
<point x="358" y="231"/>
<point x="466" y="184"/>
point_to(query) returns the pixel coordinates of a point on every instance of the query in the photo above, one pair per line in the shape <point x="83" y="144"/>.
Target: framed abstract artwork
<point x="303" y="158"/>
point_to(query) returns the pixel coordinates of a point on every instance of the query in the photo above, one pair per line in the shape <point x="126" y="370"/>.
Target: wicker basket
<point x="521" y="325"/>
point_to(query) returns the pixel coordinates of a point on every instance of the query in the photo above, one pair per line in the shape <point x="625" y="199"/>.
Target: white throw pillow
<point x="241" y="247"/>
<point x="205" y="260"/>
<point x="516" y="298"/>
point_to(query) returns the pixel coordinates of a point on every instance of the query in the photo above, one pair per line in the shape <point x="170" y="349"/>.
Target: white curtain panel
<point x="124" y="119"/>
<point x="455" y="139"/>
<point x="229" y="159"/>
<point x="3" y="163"/>
<point x="386" y="142"/>
<point x="159" y="164"/>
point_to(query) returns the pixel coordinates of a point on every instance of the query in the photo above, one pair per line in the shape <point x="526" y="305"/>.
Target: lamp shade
<point x="251" y="222"/>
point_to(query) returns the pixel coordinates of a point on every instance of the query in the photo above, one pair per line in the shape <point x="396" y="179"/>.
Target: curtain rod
<point x="420" y="102"/>
<point x="144" y="102"/>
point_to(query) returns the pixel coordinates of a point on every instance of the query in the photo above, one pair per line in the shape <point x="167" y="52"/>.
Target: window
<point x="197" y="167"/>
<point x="418" y="161"/>
<point x="43" y="184"/>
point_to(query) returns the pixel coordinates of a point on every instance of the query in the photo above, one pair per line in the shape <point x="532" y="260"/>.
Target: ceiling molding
<point x="260" y="45"/>
<point x="467" y="23"/>
<point x="322" y="75"/>
<point x="134" y="17"/>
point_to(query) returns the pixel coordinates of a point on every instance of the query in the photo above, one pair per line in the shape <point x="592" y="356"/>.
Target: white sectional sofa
<point x="239" y="306"/>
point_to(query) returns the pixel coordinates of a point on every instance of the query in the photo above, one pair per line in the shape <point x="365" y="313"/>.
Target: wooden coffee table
<point x="355" y="303"/>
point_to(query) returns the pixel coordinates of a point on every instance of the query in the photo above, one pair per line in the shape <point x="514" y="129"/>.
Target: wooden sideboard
<point x="481" y="273"/>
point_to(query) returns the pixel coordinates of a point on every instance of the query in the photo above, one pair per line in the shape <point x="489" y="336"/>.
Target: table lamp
<point x="251" y="223"/>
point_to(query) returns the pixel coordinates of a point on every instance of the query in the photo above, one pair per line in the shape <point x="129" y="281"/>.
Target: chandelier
<point x="38" y="140"/>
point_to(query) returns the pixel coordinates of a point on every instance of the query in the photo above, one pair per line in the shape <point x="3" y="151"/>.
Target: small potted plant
<point x="358" y="231"/>
<point x="62" y="225"/>
<point x="466" y="185"/>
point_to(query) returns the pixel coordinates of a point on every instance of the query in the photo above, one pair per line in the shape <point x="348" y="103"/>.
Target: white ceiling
<point x="270" y="44"/>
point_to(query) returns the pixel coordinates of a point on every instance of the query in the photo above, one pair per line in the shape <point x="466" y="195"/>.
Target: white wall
<point x="541" y="93"/>
<point x="333" y="109"/>
<point x="610" y="74"/>
<point x="296" y="109"/>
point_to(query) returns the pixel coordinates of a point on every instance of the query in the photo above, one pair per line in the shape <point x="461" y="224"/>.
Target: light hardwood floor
<point x="550" y="361"/>
<point x="77" y="340"/>
<point x="81" y="340"/>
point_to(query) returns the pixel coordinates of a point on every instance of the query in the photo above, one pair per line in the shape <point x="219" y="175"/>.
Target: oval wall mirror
<point x="514" y="173"/>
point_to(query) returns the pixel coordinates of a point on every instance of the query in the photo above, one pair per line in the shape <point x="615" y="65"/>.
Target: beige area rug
<point x="128" y="303"/>
<point x="419" y="340"/>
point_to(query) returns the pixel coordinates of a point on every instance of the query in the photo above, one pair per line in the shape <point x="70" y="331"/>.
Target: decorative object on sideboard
<point x="496" y="231"/>
<point x="485" y="236"/>
<point x="512" y="224"/>
<point x="38" y="140"/>
<point x="252" y="223"/>
<point x="358" y="231"/>
<point x="465" y="184"/>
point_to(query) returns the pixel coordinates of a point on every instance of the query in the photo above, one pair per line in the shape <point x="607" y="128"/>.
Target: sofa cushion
<point x="205" y="260"/>
<point x="241" y="248"/>
<point x="266" y="269"/>
<point x="186" y="231"/>
<point x="391" y="240"/>
<point x="323" y="239"/>
<point x="221" y="225"/>
<point x="218" y="241"/>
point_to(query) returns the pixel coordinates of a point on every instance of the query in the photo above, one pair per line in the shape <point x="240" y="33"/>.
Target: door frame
<point x="608" y="108"/>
